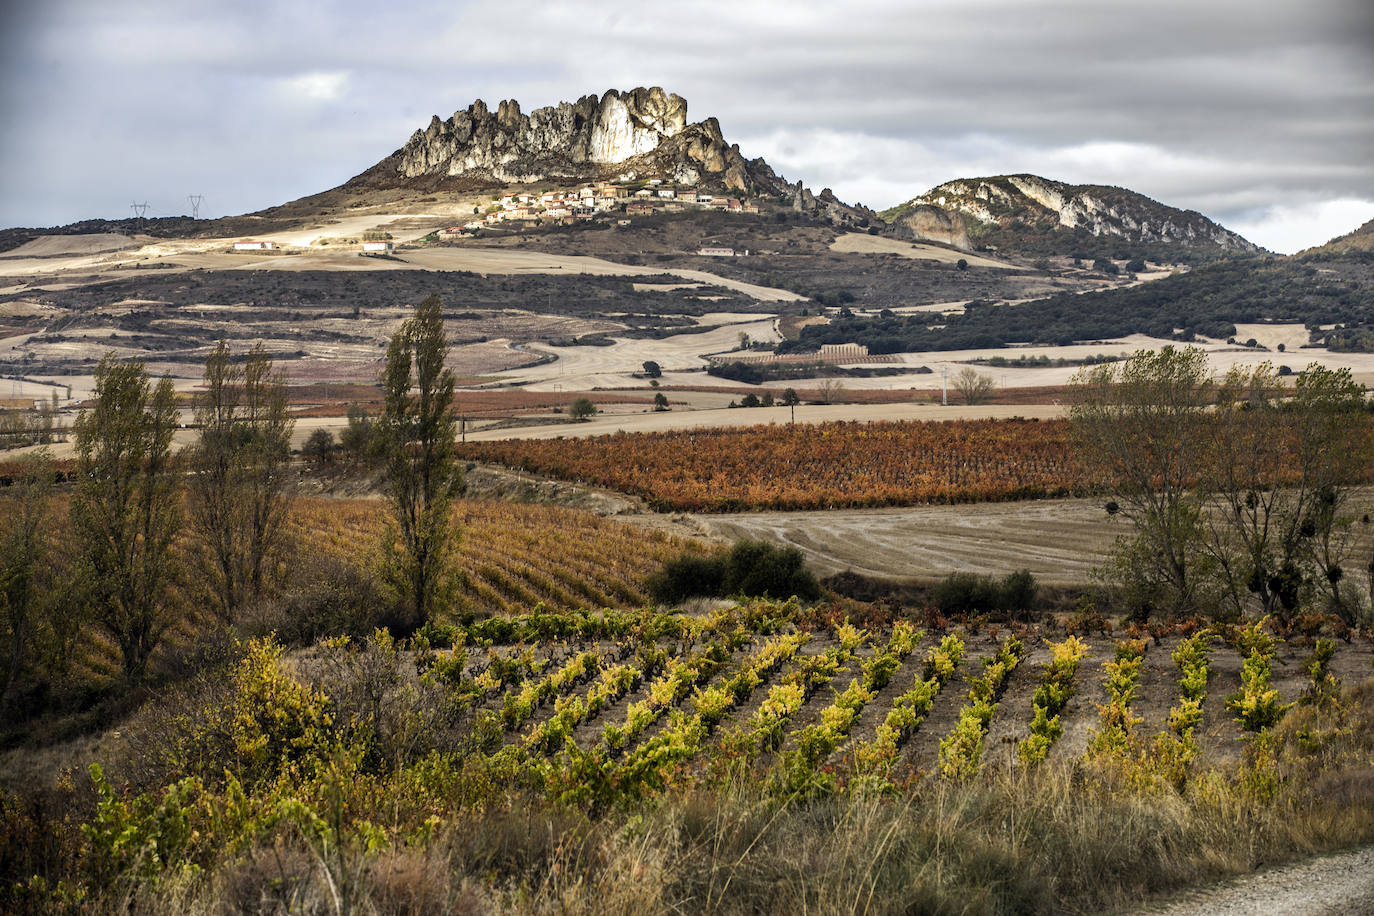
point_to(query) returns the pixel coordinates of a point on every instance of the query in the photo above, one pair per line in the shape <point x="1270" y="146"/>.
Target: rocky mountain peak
<point x="643" y="130"/>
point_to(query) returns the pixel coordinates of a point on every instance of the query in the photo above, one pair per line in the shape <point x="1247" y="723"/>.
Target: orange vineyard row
<point x="512" y="555"/>
<point x="832" y="465"/>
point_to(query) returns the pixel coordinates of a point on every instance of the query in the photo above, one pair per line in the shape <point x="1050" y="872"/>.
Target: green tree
<point x="238" y="490"/>
<point x="660" y="401"/>
<point x="652" y="369"/>
<point x="1143" y="422"/>
<point x="125" y="507"/>
<point x="582" y="409"/>
<point x="357" y="437"/>
<point x="25" y="568"/>
<point x="416" y="435"/>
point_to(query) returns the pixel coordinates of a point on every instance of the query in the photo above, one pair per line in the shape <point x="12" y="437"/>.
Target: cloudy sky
<point x="1258" y="113"/>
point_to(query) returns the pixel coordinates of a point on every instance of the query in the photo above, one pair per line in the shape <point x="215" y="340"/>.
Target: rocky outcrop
<point x="642" y="133"/>
<point x="1008" y="207"/>
<point x="925" y="223"/>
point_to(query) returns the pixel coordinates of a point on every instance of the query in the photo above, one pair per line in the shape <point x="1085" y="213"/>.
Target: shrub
<point x="760" y="569"/>
<point x="686" y="576"/>
<point x="754" y="569"/>
<point x="969" y="593"/>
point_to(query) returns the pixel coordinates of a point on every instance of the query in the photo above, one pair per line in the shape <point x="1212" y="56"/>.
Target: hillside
<point x="1208" y="301"/>
<point x="1033" y="216"/>
<point x="1356" y="243"/>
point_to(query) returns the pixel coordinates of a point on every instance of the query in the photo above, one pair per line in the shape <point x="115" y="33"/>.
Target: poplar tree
<point x="125" y="508"/>
<point x="26" y="562"/>
<point x="416" y="435"/>
<point x="239" y="498"/>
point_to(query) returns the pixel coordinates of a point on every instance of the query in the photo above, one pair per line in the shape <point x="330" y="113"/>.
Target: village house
<point x="716" y="252"/>
<point x="643" y="194"/>
<point x="377" y="248"/>
<point x="641" y="208"/>
<point x="667" y="193"/>
<point x="687" y="195"/>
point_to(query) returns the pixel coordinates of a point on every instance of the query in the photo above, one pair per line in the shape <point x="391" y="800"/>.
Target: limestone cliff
<point x="643" y="132"/>
<point x="925" y="223"/>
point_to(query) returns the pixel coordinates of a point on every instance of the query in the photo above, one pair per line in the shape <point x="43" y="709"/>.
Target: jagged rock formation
<point x="1023" y="211"/>
<point x="924" y="223"/>
<point x="643" y="132"/>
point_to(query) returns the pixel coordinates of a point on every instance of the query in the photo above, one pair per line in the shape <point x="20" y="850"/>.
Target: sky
<point x="1258" y="114"/>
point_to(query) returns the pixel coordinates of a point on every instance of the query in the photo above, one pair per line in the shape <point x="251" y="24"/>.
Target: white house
<point x="376" y="248"/>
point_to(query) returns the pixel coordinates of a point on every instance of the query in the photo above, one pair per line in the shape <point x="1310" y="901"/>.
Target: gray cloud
<point x="1256" y="113"/>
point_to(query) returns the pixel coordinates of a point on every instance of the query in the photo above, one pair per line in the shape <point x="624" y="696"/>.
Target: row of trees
<point x="140" y="517"/>
<point x="1240" y="490"/>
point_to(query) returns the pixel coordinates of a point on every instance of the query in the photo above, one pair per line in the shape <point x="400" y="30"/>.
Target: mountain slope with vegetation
<point x="1034" y="216"/>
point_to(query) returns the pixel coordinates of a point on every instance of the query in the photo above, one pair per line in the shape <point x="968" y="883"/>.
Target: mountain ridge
<point x="1023" y="212"/>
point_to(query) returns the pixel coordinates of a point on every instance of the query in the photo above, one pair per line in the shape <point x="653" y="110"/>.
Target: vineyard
<point x="832" y="465"/>
<point x="630" y="706"/>
<point x="511" y="555"/>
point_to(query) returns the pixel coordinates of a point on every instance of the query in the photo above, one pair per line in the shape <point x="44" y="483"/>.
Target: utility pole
<point x="944" y="385"/>
<point x="195" y="200"/>
<point x="140" y="211"/>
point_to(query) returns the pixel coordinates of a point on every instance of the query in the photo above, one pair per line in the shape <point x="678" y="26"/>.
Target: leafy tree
<point x="416" y="435"/>
<point x="319" y="447"/>
<point x="358" y="437"/>
<point x="26" y="557"/>
<point x="961" y="264"/>
<point x="582" y="409"/>
<point x="975" y="387"/>
<point x="125" y="507"/>
<point x="652" y="369"/>
<point x="1143" y="423"/>
<point x="660" y="401"/>
<point x="238" y="485"/>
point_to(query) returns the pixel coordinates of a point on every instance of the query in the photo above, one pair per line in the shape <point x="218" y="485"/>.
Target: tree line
<point x="149" y="532"/>
<point x="1239" y="490"/>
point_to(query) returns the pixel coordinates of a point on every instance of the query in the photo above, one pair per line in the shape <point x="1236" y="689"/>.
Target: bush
<point x="331" y="597"/>
<point x="754" y="569"/>
<point x="970" y="593"/>
<point x="686" y="576"/>
<point x="760" y="569"/>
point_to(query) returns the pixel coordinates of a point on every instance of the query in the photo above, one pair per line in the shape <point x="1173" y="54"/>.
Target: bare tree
<point x="975" y="387"/>
<point x="1143" y="423"/>
<point x="831" y="390"/>
<point x="238" y="489"/>
<point x="416" y="433"/>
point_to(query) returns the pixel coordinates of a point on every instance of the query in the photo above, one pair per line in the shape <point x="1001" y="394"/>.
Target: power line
<point x="195" y="200"/>
<point x="140" y="211"/>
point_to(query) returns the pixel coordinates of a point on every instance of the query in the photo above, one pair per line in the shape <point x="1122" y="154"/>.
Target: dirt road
<point x="1336" y="884"/>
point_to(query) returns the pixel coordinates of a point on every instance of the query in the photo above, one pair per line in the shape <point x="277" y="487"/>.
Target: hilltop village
<point x="590" y="201"/>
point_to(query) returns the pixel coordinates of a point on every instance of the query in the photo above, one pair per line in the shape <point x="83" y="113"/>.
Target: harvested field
<point x="1058" y="540"/>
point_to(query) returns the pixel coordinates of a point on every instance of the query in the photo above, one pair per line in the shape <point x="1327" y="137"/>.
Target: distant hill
<point x="1361" y="240"/>
<point x="1037" y="217"/>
